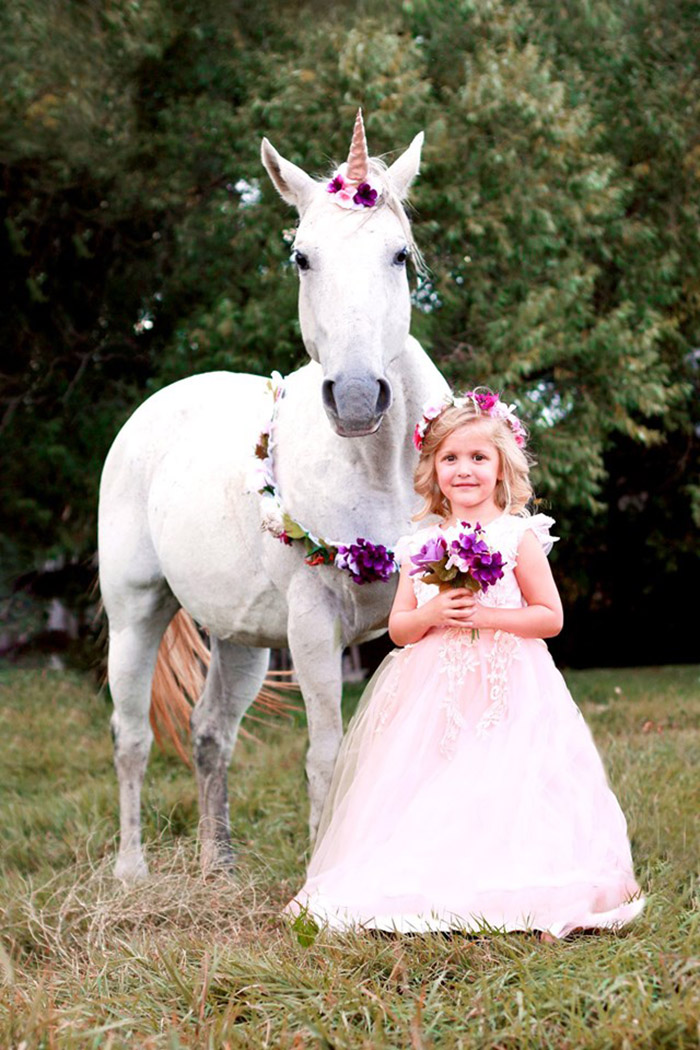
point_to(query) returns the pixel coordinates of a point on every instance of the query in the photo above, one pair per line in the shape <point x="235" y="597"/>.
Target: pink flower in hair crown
<point x="431" y="411"/>
<point x="489" y="404"/>
<point x="486" y="402"/>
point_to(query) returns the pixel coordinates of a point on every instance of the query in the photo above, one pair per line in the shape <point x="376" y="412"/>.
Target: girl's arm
<point x="408" y="623"/>
<point x="543" y="617"/>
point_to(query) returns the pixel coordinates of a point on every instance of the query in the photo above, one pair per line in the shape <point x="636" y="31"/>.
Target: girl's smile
<point x="467" y="469"/>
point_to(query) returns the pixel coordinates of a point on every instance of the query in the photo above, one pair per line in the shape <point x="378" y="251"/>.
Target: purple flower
<point x="468" y="543"/>
<point x="466" y="548"/>
<point x="431" y="551"/>
<point x="336" y="184"/>
<point x="366" y="561"/>
<point x="467" y="561"/>
<point x="365" y="195"/>
<point x="487" y="569"/>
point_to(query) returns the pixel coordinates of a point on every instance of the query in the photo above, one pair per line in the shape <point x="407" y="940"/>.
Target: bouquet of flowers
<point x="465" y="561"/>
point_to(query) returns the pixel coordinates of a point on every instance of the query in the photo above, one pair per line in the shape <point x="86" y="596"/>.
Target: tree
<point x="557" y="209"/>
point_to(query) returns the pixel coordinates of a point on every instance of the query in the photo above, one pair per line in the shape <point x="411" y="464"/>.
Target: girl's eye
<point x="301" y="261"/>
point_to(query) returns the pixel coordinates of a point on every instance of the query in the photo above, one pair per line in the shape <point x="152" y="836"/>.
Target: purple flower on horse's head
<point x="432" y="551"/>
<point x="336" y="184"/>
<point x="366" y="561"/>
<point x="365" y="195"/>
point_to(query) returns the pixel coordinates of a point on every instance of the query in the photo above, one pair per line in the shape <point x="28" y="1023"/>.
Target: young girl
<point x="468" y="792"/>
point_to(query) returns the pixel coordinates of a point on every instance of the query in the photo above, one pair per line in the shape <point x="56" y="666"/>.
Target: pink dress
<point x="468" y="793"/>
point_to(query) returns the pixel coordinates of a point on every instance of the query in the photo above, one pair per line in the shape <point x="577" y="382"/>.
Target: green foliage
<point x="521" y="238"/>
<point x="639" y="75"/>
<point x="558" y="210"/>
<point x="305" y="928"/>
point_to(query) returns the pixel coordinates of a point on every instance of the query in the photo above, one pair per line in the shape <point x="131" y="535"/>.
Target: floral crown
<point x="488" y="404"/>
<point x="351" y="185"/>
<point x="353" y="195"/>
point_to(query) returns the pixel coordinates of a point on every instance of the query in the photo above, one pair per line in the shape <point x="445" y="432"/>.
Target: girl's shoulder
<point x="506" y="532"/>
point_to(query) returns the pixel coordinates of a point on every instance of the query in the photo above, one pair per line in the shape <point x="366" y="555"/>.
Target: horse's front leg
<point x="315" y="641"/>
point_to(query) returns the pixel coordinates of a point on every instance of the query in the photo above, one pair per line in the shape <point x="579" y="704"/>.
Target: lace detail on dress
<point x="499" y="597"/>
<point x="504" y="651"/>
<point x="458" y="658"/>
<point x="423" y="591"/>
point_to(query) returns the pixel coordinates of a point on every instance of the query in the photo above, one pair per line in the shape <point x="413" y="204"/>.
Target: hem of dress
<point x="342" y="919"/>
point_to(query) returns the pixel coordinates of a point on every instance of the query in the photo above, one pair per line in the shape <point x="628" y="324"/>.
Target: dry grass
<point x="180" y="961"/>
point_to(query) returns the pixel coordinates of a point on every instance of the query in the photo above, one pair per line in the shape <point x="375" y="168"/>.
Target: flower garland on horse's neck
<point x="364" y="560"/>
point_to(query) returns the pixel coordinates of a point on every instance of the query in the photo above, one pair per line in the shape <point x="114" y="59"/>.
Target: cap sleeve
<point x="402" y="548"/>
<point x="405" y="546"/>
<point x="541" y="524"/>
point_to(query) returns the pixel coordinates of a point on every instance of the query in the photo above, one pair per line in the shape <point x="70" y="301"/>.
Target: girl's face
<point x="467" y="469"/>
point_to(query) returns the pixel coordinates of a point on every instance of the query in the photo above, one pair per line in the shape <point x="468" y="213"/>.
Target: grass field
<point x="184" y="962"/>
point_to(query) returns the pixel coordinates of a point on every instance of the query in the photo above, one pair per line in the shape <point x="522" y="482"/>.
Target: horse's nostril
<point x="328" y="396"/>
<point x="384" y="397"/>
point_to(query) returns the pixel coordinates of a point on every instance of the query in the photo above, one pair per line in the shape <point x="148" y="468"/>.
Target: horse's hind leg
<point x="235" y="675"/>
<point x="136" y="628"/>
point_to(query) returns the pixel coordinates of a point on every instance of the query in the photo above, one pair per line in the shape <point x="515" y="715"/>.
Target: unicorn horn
<point x="358" y="158"/>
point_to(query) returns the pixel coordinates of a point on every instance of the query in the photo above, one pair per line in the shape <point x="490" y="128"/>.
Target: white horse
<point x="178" y="528"/>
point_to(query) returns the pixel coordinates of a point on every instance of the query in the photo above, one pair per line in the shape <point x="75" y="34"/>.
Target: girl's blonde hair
<point x="513" y="492"/>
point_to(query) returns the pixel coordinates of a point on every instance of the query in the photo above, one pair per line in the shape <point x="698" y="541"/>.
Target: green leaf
<point x="305" y="928"/>
<point x="293" y="528"/>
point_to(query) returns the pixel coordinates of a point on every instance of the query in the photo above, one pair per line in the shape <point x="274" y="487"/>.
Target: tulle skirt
<point x="468" y="794"/>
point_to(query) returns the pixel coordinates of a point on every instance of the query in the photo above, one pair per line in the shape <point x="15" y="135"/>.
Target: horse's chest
<point x="366" y="610"/>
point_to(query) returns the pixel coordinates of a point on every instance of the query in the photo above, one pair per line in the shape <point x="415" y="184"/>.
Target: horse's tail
<point x="178" y="680"/>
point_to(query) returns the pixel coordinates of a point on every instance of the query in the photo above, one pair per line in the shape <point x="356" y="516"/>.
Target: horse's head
<point x="354" y="300"/>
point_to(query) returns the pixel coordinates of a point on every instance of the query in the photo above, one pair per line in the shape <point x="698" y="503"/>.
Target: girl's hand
<point x="452" y="608"/>
<point x="480" y="617"/>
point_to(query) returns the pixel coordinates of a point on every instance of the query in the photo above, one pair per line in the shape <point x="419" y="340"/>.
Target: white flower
<point x="259" y="475"/>
<point x="344" y="198"/>
<point x="454" y="561"/>
<point x="271" y="519"/>
<point x="432" y="411"/>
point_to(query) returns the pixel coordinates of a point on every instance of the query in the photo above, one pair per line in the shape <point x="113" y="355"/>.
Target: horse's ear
<point x="404" y="170"/>
<point x="291" y="182"/>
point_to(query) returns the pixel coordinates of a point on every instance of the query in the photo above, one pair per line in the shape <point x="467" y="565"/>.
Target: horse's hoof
<point x="218" y="861"/>
<point x="131" y="868"/>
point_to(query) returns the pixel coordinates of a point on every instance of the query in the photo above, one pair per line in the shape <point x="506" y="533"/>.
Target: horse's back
<point x="231" y="400"/>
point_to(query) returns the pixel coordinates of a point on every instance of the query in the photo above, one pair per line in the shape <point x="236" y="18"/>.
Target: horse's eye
<point x="401" y="257"/>
<point x="300" y="259"/>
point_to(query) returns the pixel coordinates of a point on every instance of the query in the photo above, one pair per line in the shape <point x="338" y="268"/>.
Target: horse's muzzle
<point x="356" y="405"/>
